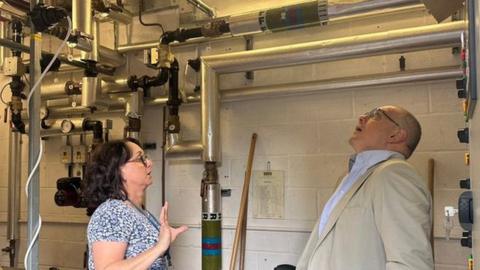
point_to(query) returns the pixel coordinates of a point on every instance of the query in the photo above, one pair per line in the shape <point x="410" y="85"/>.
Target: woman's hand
<point x="168" y="234"/>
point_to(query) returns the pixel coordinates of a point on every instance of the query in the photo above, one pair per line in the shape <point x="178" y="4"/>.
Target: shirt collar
<point x="371" y="157"/>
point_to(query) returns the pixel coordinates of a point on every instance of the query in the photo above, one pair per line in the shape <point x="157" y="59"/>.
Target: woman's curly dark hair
<point x="103" y="176"/>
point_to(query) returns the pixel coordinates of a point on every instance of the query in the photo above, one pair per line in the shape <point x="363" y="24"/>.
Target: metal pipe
<point x="82" y="21"/>
<point x="108" y="85"/>
<point x="341" y="10"/>
<point x="210" y="100"/>
<point x="58" y="112"/>
<point x="300" y="88"/>
<point x="137" y="46"/>
<point x="114" y="85"/>
<point x="55" y="112"/>
<point x="89" y="90"/>
<point x="54" y="90"/>
<point x="14" y="176"/>
<point x="110" y="57"/>
<point x="203" y="7"/>
<point x="176" y="148"/>
<point x="163" y="100"/>
<point x="33" y="201"/>
<point x="26" y="49"/>
<point x="124" y="16"/>
<point x="410" y="39"/>
<point x="3" y="34"/>
<point x="95" y="32"/>
<point x="335" y="19"/>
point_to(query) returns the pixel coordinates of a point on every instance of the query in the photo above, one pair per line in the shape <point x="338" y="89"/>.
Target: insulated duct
<point x="395" y="41"/>
<point x="289" y="17"/>
<point x="303" y="15"/>
<point x="82" y="22"/>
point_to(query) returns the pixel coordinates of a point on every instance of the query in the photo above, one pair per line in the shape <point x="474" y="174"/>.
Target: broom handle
<point x="243" y="202"/>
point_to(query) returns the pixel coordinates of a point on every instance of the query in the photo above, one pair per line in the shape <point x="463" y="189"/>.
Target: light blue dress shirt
<point x="363" y="161"/>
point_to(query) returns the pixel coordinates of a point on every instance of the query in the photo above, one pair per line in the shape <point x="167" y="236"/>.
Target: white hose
<point x="37" y="163"/>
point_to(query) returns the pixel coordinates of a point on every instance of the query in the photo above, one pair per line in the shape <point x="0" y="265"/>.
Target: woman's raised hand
<point x="168" y="234"/>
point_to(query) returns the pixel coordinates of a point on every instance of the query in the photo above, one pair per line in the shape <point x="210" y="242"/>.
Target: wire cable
<point x="27" y="185"/>
<point x="40" y="152"/>
<point x="1" y="94"/>
<point x="140" y="8"/>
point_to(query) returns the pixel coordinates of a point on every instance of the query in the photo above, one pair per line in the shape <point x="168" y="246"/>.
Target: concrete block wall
<point x="312" y="151"/>
<point x="305" y="136"/>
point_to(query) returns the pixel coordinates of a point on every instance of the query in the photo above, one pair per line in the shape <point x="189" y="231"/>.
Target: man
<point x="379" y="217"/>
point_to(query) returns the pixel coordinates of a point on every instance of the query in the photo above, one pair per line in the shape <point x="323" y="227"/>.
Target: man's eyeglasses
<point x="142" y="158"/>
<point x="377" y="114"/>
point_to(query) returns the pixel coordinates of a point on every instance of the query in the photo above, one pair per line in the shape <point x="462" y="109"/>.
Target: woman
<point x="121" y="234"/>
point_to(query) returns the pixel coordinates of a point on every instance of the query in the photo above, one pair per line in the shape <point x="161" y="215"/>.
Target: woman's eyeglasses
<point x="142" y="158"/>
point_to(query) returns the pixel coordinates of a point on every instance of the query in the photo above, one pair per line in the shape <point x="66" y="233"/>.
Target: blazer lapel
<point x="337" y="211"/>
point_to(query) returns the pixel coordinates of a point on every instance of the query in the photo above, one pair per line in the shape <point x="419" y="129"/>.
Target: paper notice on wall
<point x="268" y="194"/>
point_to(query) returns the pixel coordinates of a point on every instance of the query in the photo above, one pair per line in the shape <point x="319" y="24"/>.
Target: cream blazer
<point x="382" y="223"/>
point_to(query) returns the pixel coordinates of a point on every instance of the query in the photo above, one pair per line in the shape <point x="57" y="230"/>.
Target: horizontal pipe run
<point x="341" y="10"/>
<point x="192" y="42"/>
<point x="310" y="87"/>
<point x="13" y="45"/>
<point x="404" y="40"/>
<point x="163" y="100"/>
<point x="339" y="84"/>
<point x="61" y="112"/>
<point x="56" y="112"/>
<point x="54" y="90"/>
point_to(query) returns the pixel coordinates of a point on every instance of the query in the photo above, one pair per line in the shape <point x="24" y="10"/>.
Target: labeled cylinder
<point x="211" y="219"/>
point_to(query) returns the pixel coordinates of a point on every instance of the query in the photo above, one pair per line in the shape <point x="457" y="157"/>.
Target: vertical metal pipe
<point x="96" y="41"/>
<point x="210" y="114"/>
<point x="89" y="91"/>
<point x="82" y="21"/>
<point x="14" y="175"/>
<point x="3" y="34"/>
<point x="210" y="191"/>
<point x="33" y="203"/>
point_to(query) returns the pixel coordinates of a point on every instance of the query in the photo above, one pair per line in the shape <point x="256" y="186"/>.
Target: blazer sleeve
<point x="402" y="211"/>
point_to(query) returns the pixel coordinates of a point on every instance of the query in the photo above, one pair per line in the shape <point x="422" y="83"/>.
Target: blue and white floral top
<point x="116" y="221"/>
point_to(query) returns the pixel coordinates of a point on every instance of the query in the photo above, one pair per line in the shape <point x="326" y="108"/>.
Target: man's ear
<point x="399" y="136"/>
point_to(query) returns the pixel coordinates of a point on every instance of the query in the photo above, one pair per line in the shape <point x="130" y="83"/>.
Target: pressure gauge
<point x="66" y="126"/>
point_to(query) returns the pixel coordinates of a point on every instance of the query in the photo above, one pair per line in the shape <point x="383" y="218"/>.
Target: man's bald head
<point x="410" y="124"/>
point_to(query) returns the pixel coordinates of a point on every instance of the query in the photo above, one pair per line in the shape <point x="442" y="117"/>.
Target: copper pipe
<point x="243" y="203"/>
